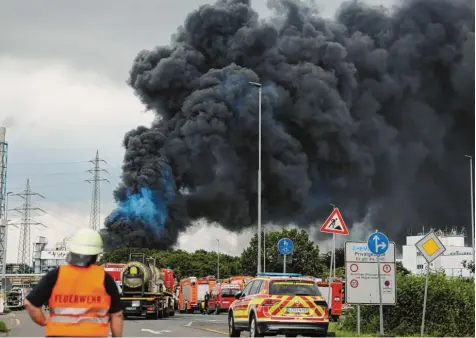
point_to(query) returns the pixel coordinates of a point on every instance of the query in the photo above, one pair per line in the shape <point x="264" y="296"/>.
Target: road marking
<point x="155" y="332"/>
<point x="214" y="331"/>
<point x="189" y="324"/>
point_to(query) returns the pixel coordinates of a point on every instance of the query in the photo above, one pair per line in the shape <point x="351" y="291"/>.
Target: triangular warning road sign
<point x="334" y="224"/>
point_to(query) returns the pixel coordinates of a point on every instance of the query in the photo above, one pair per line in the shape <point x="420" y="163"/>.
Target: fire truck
<point x="205" y="285"/>
<point x="334" y="290"/>
<point x="188" y="295"/>
<point x="192" y="292"/>
<point x="241" y="280"/>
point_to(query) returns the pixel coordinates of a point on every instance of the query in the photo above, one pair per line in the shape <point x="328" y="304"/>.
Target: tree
<point x="305" y="258"/>
<point x="340" y="258"/>
<point x="201" y="263"/>
<point x="449" y="313"/>
<point x="468" y="265"/>
<point x="401" y="269"/>
<point x="122" y="255"/>
<point x="19" y="268"/>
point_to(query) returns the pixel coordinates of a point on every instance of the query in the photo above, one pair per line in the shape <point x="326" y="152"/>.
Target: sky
<point x="63" y="95"/>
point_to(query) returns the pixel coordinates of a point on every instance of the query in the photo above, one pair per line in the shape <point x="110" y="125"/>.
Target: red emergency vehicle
<point x="114" y="270"/>
<point x="334" y="289"/>
<point x="221" y="297"/>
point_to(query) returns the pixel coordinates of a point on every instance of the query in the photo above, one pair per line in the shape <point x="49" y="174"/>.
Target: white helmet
<point x="86" y="242"/>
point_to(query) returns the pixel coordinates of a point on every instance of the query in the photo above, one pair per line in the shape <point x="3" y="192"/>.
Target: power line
<point x="24" y="245"/>
<point x="51" y="185"/>
<point x="94" y="221"/>
<point x="75" y="225"/>
<point x="47" y="174"/>
<point x="73" y="212"/>
<point x="45" y="163"/>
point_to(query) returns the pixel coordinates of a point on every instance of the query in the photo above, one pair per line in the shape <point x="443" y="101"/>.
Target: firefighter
<point x="83" y="299"/>
<point x="206" y="299"/>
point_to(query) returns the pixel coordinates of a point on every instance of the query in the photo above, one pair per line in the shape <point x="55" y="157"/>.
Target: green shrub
<point x="3" y="326"/>
<point x="449" y="311"/>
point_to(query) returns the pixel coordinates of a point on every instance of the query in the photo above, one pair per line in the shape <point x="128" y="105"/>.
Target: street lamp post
<point x="5" y="221"/>
<point x="472" y="202"/>
<point x="218" y="259"/>
<point x="259" y="85"/>
<point x="264" y="249"/>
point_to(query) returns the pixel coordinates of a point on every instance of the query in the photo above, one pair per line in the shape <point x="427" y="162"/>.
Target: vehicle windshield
<point x="229" y="292"/>
<point x="294" y="288"/>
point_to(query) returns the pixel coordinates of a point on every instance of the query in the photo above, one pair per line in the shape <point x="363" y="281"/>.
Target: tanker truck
<point x="144" y="292"/>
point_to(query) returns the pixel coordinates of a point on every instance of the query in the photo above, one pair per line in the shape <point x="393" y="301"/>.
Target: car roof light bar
<point x="278" y="274"/>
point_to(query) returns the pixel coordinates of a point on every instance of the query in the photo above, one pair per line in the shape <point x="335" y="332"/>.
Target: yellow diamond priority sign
<point x="430" y="246"/>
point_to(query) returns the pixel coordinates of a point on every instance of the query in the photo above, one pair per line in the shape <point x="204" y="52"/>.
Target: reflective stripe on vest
<point x="76" y="311"/>
<point x="76" y="320"/>
<point x="79" y="303"/>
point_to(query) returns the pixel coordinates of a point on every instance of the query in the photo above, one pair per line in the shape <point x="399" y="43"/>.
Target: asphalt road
<point x="180" y="325"/>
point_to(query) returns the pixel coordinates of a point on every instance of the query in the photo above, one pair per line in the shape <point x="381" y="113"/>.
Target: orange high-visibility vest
<point x="79" y="303"/>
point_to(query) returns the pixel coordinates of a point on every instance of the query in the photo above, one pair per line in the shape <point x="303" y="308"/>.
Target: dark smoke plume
<point x="372" y="112"/>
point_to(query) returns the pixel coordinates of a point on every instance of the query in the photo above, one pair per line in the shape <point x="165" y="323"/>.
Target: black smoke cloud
<point x="372" y="112"/>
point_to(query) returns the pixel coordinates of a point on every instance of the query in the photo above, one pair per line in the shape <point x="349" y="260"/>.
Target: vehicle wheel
<point x="217" y="310"/>
<point x="232" y="332"/>
<point x="166" y="313"/>
<point x="160" y="313"/>
<point x="155" y="315"/>
<point x="172" y="313"/>
<point x="254" y="332"/>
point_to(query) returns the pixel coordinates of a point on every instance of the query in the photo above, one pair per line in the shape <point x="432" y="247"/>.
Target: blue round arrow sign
<point x="378" y="243"/>
<point x="285" y="246"/>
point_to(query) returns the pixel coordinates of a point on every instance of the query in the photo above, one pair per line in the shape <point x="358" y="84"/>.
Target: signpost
<point x="334" y="225"/>
<point x="285" y="247"/>
<point x="430" y="247"/>
<point x="362" y="276"/>
<point x="361" y="265"/>
<point x="378" y="245"/>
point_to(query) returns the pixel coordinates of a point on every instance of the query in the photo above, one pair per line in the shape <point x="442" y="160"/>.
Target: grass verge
<point x="337" y="328"/>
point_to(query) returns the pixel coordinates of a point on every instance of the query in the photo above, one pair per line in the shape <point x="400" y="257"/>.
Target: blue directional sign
<point x="285" y="246"/>
<point x="378" y="243"/>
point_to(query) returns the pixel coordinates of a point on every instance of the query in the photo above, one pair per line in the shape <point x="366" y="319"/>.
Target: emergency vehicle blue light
<point x="278" y="274"/>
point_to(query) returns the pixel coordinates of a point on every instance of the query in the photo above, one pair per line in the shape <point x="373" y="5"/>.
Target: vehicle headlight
<point x="336" y="299"/>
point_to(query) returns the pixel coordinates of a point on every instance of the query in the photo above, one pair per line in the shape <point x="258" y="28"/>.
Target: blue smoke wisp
<point x="146" y="207"/>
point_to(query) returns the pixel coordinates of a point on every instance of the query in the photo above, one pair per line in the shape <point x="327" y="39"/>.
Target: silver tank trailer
<point x="135" y="274"/>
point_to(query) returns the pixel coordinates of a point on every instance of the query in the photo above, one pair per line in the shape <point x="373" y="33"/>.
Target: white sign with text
<point x="54" y="254"/>
<point x="361" y="275"/>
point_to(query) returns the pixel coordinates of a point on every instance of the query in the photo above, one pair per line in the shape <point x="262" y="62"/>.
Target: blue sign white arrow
<point x="285" y="246"/>
<point x="378" y="243"/>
